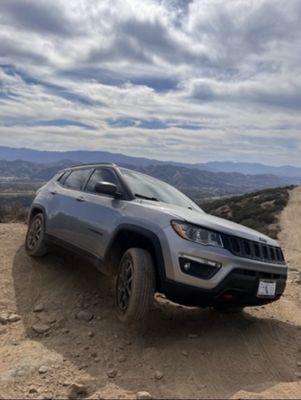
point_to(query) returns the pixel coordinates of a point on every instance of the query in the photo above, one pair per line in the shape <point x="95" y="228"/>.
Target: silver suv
<point x="153" y="238"/>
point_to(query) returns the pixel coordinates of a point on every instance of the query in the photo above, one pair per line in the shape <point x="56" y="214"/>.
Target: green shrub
<point x="259" y="210"/>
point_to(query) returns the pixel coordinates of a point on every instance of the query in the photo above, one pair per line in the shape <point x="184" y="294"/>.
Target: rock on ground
<point x="143" y="395"/>
<point x="77" y="390"/>
<point x="40" y="327"/>
<point x="84" y="315"/>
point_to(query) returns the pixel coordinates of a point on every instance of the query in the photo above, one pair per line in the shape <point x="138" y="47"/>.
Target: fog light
<point x="186" y="266"/>
<point x="199" y="267"/>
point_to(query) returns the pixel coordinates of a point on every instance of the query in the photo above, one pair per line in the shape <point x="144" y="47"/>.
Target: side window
<point x="63" y="176"/>
<point x="101" y="175"/>
<point x="76" y="179"/>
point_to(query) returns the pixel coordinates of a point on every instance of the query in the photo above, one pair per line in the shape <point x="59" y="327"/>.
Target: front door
<point x="99" y="214"/>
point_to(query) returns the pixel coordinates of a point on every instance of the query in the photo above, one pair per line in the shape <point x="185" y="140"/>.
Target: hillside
<point x="259" y="210"/>
<point x="81" y="156"/>
<point x="47" y="351"/>
<point x="20" y="179"/>
<point x="32" y="171"/>
<point x="42" y="157"/>
<point x="198" y="184"/>
<point x="254" y="168"/>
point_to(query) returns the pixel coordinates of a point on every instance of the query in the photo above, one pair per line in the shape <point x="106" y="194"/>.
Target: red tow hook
<point x="227" y="296"/>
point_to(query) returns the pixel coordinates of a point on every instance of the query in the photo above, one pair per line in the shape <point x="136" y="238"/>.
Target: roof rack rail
<point x="92" y="164"/>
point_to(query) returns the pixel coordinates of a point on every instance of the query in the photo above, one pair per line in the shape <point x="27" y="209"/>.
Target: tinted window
<point x="101" y="175"/>
<point x="76" y="179"/>
<point x="63" y="176"/>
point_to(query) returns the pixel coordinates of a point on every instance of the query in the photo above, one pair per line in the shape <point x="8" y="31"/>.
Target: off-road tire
<point x="133" y="304"/>
<point x="35" y="245"/>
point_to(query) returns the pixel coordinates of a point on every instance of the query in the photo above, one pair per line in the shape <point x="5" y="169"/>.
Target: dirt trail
<point x="200" y="353"/>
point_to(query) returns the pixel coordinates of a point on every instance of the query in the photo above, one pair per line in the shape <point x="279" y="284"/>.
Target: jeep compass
<point x="152" y="238"/>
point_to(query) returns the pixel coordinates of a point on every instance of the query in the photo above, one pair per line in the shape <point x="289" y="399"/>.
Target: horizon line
<point x="151" y="159"/>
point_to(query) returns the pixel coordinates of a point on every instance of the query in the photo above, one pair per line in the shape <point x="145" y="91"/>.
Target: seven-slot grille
<point x="255" y="250"/>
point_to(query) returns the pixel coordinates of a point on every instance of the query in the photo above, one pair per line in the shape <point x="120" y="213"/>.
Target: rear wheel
<point x="135" y="285"/>
<point x="35" y="238"/>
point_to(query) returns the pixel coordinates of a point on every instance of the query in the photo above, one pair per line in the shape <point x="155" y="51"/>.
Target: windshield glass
<point x="144" y="186"/>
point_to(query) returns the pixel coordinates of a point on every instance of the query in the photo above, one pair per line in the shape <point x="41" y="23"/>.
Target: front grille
<point x="254" y="250"/>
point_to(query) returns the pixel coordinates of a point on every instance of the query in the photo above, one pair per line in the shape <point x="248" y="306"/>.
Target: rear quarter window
<point x="61" y="178"/>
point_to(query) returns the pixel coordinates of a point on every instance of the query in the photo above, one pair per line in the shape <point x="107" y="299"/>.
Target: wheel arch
<point x="128" y="236"/>
<point x="36" y="209"/>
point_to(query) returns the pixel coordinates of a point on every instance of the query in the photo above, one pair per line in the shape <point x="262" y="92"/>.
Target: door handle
<point x="80" y="198"/>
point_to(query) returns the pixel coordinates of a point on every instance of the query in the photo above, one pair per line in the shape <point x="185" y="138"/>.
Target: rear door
<point x="64" y="222"/>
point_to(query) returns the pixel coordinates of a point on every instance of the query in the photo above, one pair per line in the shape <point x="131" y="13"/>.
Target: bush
<point x="259" y="210"/>
<point x="14" y="213"/>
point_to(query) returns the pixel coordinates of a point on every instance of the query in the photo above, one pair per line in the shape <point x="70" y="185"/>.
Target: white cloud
<point x="208" y="78"/>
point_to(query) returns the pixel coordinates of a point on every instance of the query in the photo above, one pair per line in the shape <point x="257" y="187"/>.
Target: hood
<point x="211" y="222"/>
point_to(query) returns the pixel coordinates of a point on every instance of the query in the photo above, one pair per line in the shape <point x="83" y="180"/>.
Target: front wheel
<point x="35" y="238"/>
<point x="135" y="285"/>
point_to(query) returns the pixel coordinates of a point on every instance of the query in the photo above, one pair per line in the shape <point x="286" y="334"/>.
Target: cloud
<point x="37" y="16"/>
<point x="53" y="88"/>
<point x="161" y="81"/>
<point x="152" y="124"/>
<point x="163" y="78"/>
<point x="283" y="95"/>
<point x="240" y="30"/>
<point x="160" y="41"/>
<point x="11" y="50"/>
<point x="7" y="122"/>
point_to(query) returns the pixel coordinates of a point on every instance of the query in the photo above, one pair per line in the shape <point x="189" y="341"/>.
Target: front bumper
<point x="236" y="281"/>
<point x="239" y="288"/>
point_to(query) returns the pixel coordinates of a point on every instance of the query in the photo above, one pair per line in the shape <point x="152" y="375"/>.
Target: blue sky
<point x="181" y="80"/>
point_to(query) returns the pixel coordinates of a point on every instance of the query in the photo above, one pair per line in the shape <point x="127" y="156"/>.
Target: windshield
<point x="146" y="187"/>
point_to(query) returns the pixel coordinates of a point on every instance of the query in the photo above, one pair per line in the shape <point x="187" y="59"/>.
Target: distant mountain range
<point x="30" y="171"/>
<point x="253" y="168"/>
<point x="196" y="183"/>
<point x="200" y="184"/>
<point x="46" y="157"/>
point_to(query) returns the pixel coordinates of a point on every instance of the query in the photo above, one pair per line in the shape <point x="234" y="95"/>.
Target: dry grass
<point x="290" y="221"/>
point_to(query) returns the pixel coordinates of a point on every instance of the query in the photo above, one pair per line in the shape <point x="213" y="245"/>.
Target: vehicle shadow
<point x="200" y="352"/>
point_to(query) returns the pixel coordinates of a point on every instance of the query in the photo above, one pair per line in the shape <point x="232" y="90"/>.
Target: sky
<point x="182" y="80"/>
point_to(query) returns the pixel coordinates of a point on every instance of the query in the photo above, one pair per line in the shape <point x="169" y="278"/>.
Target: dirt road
<point x="182" y="353"/>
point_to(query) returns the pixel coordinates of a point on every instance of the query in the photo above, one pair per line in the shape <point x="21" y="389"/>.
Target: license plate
<point x="266" y="289"/>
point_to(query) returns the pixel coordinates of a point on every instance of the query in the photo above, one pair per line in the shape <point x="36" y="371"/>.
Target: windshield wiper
<point x="142" y="196"/>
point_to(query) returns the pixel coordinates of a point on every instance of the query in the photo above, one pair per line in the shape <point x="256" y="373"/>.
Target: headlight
<point x="196" y="234"/>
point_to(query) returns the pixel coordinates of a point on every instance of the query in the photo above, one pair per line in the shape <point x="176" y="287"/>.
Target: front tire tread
<point x="143" y="286"/>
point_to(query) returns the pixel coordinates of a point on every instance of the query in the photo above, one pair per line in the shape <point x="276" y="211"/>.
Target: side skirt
<point x="53" y="241"/>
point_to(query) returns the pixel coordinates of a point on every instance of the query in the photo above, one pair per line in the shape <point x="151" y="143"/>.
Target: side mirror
<point x="106" y="188"/>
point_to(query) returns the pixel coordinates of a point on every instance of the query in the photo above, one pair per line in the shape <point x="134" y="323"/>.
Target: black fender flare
<point x="148" y="234"/>
<point x="36" y="206"/>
